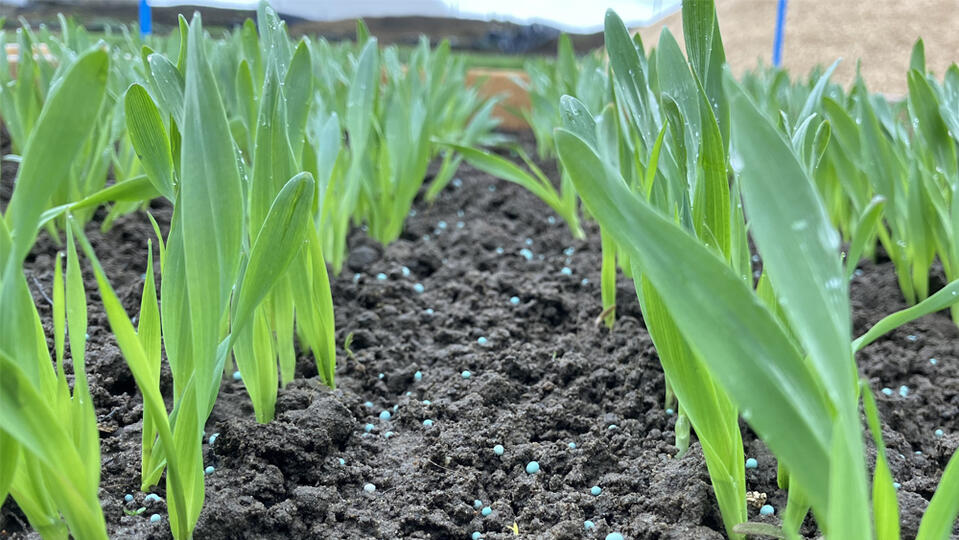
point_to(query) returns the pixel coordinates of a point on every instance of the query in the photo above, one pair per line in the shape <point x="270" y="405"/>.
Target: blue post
<point x="146" y="19"/>
<point x="780" y="29"/>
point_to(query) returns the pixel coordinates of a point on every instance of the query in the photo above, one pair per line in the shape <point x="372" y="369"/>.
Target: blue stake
<point x="146" y="19"/>
<point x="780" y="29"/>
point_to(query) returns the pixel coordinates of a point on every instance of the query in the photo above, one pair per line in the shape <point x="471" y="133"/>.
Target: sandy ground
<point x="880" y="32"/>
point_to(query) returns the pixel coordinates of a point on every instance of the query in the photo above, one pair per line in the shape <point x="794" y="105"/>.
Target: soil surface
<point x="543" y="379"/>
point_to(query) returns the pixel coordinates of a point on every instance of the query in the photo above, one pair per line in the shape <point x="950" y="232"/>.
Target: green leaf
<point x="945" y="297"/>
<point x="740" y="342"/>
<point x="917" y="60"/>
<point x="940" y="516"/>
<point x="149" y="139"/>
<point x="276" y="245"/>
<point x="885" y="508"/>
<point x="29" y="419"/>
<point x="67" y="119"/>
<point x="800" y="248"/>
<point x="169" y="86"/>
<point x="212" y="208"/>
<point x="865" y="231"/>
<point x="704" y="46"/>
<point x="628" y="72"/>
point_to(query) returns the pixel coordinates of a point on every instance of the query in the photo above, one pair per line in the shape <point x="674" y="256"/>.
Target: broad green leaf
<point x="65" y="122"/>
<point x="149" y="139"/>
<point x="212" y="208"/>
<point x="740" y="342"/>
<point x="277" y="244"/>
<point x="628" y="72"/>
<point x="800" y="249"/>
<point x="169" y="86"/>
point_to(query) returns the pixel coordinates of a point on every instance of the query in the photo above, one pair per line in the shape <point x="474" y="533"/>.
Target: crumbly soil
<point x="546" y="377"/>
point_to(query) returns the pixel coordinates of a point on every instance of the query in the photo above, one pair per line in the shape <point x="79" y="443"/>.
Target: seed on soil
<point x="388" y="434"/>
<point x="911" y="337"/>
<point x="418" y="376"/>
<point x="155" y="518"/>
<point x="529" y="241"/>
<point x="441" y="225"/>
<point x="903" y="390"/>
<point x="209" y="470"/>
<point x="767" y="510"/>
<point x="369" y="488"/>
<point x="569" y="251"/>
<point x="514" y="300"/>
<point x="615" y="536"/>
<point x="896" y="485"/>
<point x="566" y="271"/>
<point x="151" y="497"/>
<point x="527" y="254"/>
<point x="368" y="404"/>
<point x="128" y="498"/>
<point x="498" y="449"/>
<point x="584" y="282"/>
<point x="481" y="340"/>
<point x="405" y="271"/>
<point x="933" y="361"/>
<point x="213" y="438"/>
<point x="381" y="276"/>
<point x="499" y="251"/>
<point x="532" y="467"/>
<point x="572" y="446"/>
<point x="342" y="461"/>
<point x="588" y="525"/>
<point x="486" y="511"/>
<point x="939" y="433"/>
<point x="427" y="402"/>
<point x="380" y="375"/>
<point x="429" y="311"/>
<point x="418" y="288"/>
<point x="595" y="490"/>
<point x="887" y="391"/>
<point x="466" y="374"/>
<point x="237" y="376"/>
<point x="385" y="415"/>
<point x="612" y="427"/>
<point x="476" y="535"/>
<point x="670" y="412"/>
<point x="368" y="427"/>
<point x="751" y="463"/>
<point x="428" y="422"/>
<point x="477" y="504"/>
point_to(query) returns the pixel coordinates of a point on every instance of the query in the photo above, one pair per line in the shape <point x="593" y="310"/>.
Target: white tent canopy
<point x="574" y="16"/>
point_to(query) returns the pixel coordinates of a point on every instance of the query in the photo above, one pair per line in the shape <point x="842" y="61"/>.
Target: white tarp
<point x="576" y="16"/>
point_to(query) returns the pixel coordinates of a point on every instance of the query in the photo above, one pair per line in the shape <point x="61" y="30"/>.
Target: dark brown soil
<point x="545" y="377"/>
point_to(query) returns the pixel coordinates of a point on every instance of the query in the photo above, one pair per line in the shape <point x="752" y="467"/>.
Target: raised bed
<point x="543" y="377"/>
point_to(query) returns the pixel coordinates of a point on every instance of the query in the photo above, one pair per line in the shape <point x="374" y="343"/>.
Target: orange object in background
<point x="514" y="97"/>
